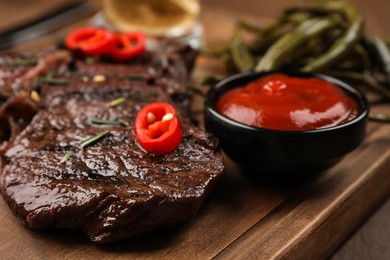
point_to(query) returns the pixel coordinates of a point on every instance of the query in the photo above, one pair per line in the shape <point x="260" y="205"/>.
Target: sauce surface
<point x="281" y="102"/>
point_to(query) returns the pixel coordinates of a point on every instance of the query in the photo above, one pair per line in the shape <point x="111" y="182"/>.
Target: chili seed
<point x="35" y="96"/>
<point x="167" y="117"/>
<point x="151" y="117"/>
<point x="99" y="78"/>
<point x="85" y="79"/>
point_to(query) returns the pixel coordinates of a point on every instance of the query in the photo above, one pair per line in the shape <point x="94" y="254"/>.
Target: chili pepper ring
<point x="90" y="40"/>
<point x="127" y="46"/>
<point x="97" y="41"/>
<point x="157" y="128"/>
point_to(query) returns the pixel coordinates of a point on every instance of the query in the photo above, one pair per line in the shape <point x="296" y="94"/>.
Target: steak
<point x="112" y="189"/>
<point x="20" y="74"/>
<point x="18" y="77"/>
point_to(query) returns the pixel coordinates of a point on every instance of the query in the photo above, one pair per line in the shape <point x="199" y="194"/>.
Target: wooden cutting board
<point x="243" y="218"/>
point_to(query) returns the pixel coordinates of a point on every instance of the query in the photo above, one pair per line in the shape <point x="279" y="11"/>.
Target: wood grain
<point x="370" y="241"/>
<point x="243" y="218"/>
<point x="17" y="12"/>
<point x="314" y="221"/>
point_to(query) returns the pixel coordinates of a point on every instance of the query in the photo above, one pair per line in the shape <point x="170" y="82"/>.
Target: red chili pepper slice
<point x="128" y="45"/>
<point x="158" y="129"/>
<point x="90" y="40"/>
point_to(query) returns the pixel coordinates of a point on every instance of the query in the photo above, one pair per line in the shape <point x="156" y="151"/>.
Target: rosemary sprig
<point x="94" y="139"/>
<point x="16" y="63"/>
<point x="132" y="77"/>
<point x="66" y="157"/>
<point x="53" y="81"/>
<point x="117" y="102"/>
<point x="100" y="121"/>
<point x="84" y="144"/>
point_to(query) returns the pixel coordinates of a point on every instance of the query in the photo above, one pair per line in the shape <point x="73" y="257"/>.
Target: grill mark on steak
<point x="113" y="189"/>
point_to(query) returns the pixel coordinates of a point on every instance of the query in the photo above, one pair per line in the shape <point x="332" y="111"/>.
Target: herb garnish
<point x="132" y="77"/>
<point x="94" y="139"/>
<point x="66" y="157"/>
<point x="49" y="79"/>
<point x="85" y="143"/>
<point x="16" y="63"/>
<point x="117" y="102"/>
<point x="106" y="121"/>
<point x="53" y="81"/>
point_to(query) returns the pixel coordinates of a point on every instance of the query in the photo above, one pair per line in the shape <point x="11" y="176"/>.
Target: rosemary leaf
<point x="132" y="77"/>
<point x="66" y="157"/>
<point x="106" y="121"/>
<point x="117" y="102"/>
<point x="16" y="63"/>
<point x="53" y="81"/>
<point x="94" y="139"/>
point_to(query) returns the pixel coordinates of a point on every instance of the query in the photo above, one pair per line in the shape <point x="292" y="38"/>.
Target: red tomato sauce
<point x="281" y="102"/>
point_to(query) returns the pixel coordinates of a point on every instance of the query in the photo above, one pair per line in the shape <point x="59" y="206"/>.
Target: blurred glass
<point x="178" y="19"/>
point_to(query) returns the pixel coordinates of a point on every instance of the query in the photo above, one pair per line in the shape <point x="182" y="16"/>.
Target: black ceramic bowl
<point x="283" y="152"/>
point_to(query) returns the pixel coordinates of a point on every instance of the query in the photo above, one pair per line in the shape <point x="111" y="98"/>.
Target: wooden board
<point x="243" y="218"/>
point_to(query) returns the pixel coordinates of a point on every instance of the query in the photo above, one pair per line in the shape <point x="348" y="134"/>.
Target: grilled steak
<point x="112" y="189"/>
<point x="19" y="70"/>
<point x="20" y="73"/>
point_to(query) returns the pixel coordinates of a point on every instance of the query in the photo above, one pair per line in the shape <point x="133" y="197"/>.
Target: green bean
<point x="379" y="117"/>
<point x="344" y="44"/>
<point x="327" y="37"/>
<point x="261" y="45"/>
<point x="273" y="27"/>
<point x="264" y="37"/>
<point x="266" y="31"/>
<point x="362" y="78"/>
<point x="286" y="45"/>
<point x="368" y="81"/>
<point x="384" y="57"/>
<point x="251" y="27"/>
<point x="314" y="11"/>
<point x="364" y="56"/>
<point x="241" y="54"/>
<point x="387" y="42"/>
<point x="358" y="60"/>
<point x="296" y="18"/>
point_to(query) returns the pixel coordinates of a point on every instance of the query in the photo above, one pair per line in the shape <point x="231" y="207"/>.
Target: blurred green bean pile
<point x="328" y="38"/>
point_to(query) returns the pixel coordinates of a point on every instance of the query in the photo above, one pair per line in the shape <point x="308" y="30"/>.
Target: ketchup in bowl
<point x="286" y="124"/>
<point x="281" y="102"/>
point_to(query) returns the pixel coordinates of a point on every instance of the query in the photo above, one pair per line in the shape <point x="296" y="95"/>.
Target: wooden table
<point x="243" y="219"/>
